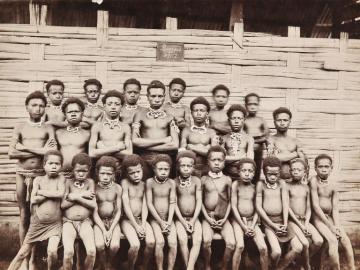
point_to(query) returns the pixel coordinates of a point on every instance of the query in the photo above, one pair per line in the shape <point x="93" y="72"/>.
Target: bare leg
<point x="87" y="236"/>
<point x="23" y="207"/>
<point x="207" y="240"/>
<point x="183" y="241"/>
<point x="261" y="245"/>
<point x="133" y="239"/>
<point x="149" y="245"/>
<point x="295" y="249"/>
<point x="159" y="244"/>
<point x="196" y="244"/>
<point x="332" y="243"/>
<point x="275" y="252"/>
<point x="100" y="247"/>
<point x="172" y="243"/>
<point x="68" y="239"/>
<point x="239" y="248"/>
<point x="227" y="233"/>
<point x="349" y="253"/>
<point x="316" y="239"/>
<point x="305" y="243"/>
<point x="114" y="243"/>
<point x="22" y="254"/>
<point x="52" y="249"/>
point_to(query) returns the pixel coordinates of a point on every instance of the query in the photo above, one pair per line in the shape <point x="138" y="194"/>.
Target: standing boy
<point x="161" y="201"/>
<point x="135" y="226"/>
<point x="174" y="107"/>
<point x="325" y="202"/>
<point x="256" y="127"/>
<point x="272" y="205"/>
<point x="188" y="207"/>
<point x="237" y="144"/>
<point x="216" y="206"/>
<point x="53" y="113"/>
<point x="107" y="216"/>
<point x="218" y="117"/>
<point x="198" y="138"/>
<point x="93" y="109"/>
<point x="300" y="211"/>
<point x="30" y="141"/>
<point x="78" y="206"/>
<point x="45" y="222"/>
<point x="132" y="88"/>
<point x="245" y="219"/>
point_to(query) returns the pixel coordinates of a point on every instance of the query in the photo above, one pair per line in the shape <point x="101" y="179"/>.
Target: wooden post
<point x="34" y="13"/>
<point x="102" y="27"/>
<point x="237" y="13"/>
<point x="171" y="23"/>
<point x="43" y="14"/>
<point x="238" y="35"/>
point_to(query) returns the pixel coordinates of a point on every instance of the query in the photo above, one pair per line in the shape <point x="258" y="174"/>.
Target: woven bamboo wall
<point x="318" y="79"/>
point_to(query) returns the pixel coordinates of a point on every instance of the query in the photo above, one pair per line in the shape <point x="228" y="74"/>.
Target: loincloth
<point x="302" y="219"/>
<point x="40" y="231"/>
<point x="29" y="176"/>
<point x="77" y="223"/>
<point x="138" y="220"/>
<point x="290" y="234"/>
<point x="107" y="222"/>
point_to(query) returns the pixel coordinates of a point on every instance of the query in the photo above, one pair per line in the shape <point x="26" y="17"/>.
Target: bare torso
<point x="154" y="128"/>
<point x="272" y="202"/>
<point x="127" y="115"/>
<point x="161" y="196"/>
<point x="197" y="138"/>
<point x="92" y="112"/>
<point x="106" y="200"/>
<point x="245" y="200"/>
<point x="54" y="114"/>
<point x="186" y="197"/>
<point x="136" y="196"/>
<point x="236" y="146"/>
<point x="325" y="193"/>
<point x="254" y="126"/>
<point x="298" y="194"/>
<point x="220" y="117"/>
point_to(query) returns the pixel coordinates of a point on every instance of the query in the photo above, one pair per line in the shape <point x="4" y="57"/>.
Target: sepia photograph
<point x="180" y="134"/>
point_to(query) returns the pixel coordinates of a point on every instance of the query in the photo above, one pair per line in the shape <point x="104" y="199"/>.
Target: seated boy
<point x="216" y="206"/>
<point x="135" y="226"/>
<point x="78" y="206"/>
<point x="325" y="200"/>
<point x="272" y="205"/>
<point x="300" y="211"/>
<point x="132" y="89"/>
<point x="93" y="108"/>
<point x="245" y="219"/>
<point x="237" y="144"/>
<point x="107" y="216"/>
<point x="45" y="222"/>
<point x="256" y="127"/>
<point x="161" y="200"/>
<point x="188" y="207"/>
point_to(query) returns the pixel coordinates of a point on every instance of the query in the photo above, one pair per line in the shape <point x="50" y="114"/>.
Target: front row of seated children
<point x="69" y="209"/>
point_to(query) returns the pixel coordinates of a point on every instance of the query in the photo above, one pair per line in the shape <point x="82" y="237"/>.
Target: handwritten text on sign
<point x="167" y="51"/>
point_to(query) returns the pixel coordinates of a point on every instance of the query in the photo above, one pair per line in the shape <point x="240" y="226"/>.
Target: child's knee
<point x="239" y="247"/>
<point x="183" y="241"/>
<point x="172" y="243"/>
<point x="100" y="247"/>
<point x="150" y="244"/>
<point x="263" y="250"/>
<point x="305" y="244"/>
<point x="68" y="253"/>
<point x="318" y="242"/>
<point x="159" y="244"/>
<point x="275" y="254"/>
<point x="207" y="243"/>
<point x="91" y="252"/>
<point x="230" y="245"/>
<point x="134" y="248"/>
<point x="114" y="248"/>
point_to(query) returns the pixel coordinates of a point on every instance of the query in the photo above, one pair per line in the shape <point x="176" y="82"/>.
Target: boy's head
<point x="55" y="91"/>
<point x="220" y="95"/>
<point x="323" y="166"/>
<point x="156" y="94"/>
<point x="105" y="169"/>
<point x="162" y="166"/>
<point x="185" y="161"/>
<point x="200" y="108"/>
<point x="53" y="160"/>
<point x="236" y="117"/>
<point x="177" y="88"/>
<point x="246" y="168"/>
<point x="132" y="88"/>
<point x="92" y="89"/>
<point x="216" y="158"/>
<point x="298" y="169"/>
<point x="271" y="168"/>
<point x="132" y="167"/>
<point x="73" y="109"/>
<point x="81" y="164"/>
<point x="252" y="101"/>
<point x="282" y="118"/>
<point x="35" y="104"/>
<point x="113" y="101"/>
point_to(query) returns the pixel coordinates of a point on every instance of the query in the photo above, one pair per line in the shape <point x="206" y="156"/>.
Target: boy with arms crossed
<point x="93" y="110"/>
<point x="300" y="211"/>
<point x="30" y="141"/>
<point x="136" y="227"/>
<point x="245" y="220"/>
<point x="216" y="206"/>
<point x="78" y="206"/>
<point x="217" y="116"/>
<point x="161" y="201"/>
<point x="198" y="138"/>
<point x="188" y="207"/>
<point x="272" y="205"/>
<point x="174" y="107"/>
<point x="325" y="200"/>
<point x="45" y="222"/>
<point x="108" y="212"/>
<point x="256" y="127"/>
<point x="237" y="143"/>
<point x="132" y="88"/>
